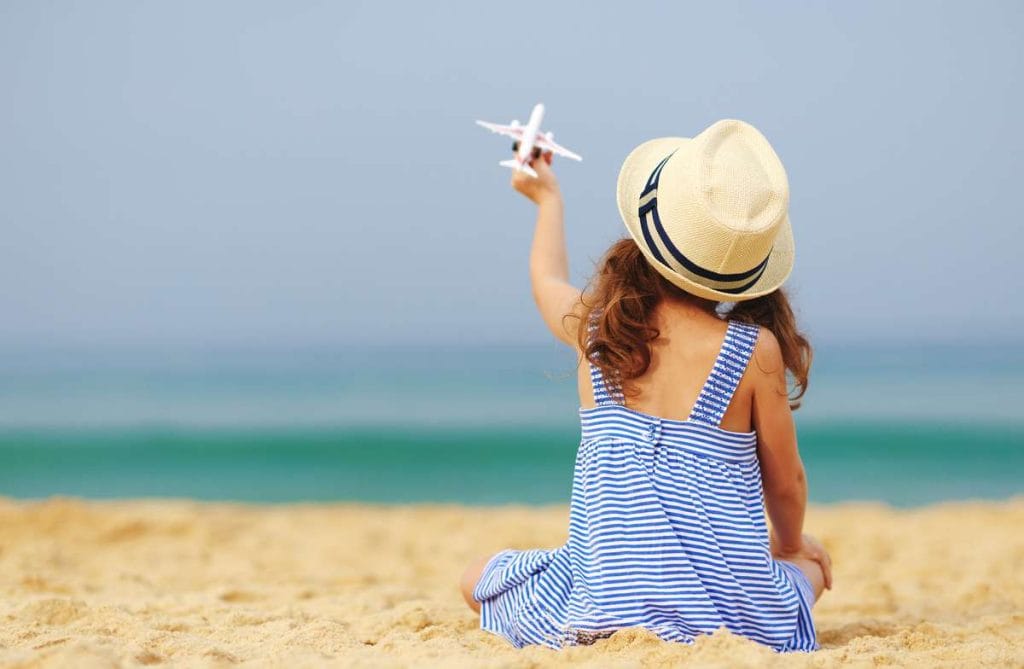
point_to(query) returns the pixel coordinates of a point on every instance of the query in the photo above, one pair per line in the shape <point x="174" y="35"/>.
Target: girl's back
<point x="682" y="356"/>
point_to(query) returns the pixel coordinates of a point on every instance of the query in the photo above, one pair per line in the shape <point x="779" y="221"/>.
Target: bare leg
<point x="812" y="570"/>
<point x="469" y="579"/>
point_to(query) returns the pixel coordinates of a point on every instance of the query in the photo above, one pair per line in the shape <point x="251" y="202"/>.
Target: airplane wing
<point x="546" y="144"/>
<point x="511" y="131"/>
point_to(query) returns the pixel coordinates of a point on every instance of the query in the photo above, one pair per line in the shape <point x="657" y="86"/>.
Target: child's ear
<point x="548" y="156"/>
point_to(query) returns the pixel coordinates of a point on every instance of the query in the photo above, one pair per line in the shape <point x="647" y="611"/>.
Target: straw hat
<point x="710" y="213"/>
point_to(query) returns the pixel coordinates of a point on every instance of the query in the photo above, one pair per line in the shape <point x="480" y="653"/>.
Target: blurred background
<point x="259" y="251"/>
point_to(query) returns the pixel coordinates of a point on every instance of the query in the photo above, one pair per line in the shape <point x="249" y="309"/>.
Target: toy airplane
<point x="530" y="141"/>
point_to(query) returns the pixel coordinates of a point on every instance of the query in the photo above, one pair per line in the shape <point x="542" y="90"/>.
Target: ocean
<point x="900" y="424"/>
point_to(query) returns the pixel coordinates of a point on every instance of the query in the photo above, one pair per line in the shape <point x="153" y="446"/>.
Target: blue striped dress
<point x="666" y="531"/>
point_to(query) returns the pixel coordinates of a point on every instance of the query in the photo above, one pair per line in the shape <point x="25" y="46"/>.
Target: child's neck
<point x="685" y="308"/>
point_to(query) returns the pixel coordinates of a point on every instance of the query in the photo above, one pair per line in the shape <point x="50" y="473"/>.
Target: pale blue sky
<point x="307" y="173"/>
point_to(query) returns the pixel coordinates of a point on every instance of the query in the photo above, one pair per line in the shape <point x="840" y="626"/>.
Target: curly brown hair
<point x="624" y="292"/>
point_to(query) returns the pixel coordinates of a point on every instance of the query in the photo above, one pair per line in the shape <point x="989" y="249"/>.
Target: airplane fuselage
<point x="525" y="153"/>
<point x="530" y="143"/>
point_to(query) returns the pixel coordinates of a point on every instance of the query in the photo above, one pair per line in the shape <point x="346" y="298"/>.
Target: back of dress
<point x="667" y="531"/>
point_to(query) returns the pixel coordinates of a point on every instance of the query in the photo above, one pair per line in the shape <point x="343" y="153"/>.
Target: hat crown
<point x="744" y="183"/>
<point x="723" y="199"/>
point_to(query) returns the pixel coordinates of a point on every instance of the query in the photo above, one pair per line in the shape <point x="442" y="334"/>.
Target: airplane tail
<point x="516" y="166"/>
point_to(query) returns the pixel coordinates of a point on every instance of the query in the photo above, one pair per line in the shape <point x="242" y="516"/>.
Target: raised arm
<point x="549" y="262"/>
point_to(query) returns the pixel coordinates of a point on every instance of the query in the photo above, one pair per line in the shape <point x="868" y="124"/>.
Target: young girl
<point x="687" y="431"/>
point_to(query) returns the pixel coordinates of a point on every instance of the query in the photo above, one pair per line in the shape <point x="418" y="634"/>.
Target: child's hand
<point x="540" y="188"/>
<point x="810" y="549"/>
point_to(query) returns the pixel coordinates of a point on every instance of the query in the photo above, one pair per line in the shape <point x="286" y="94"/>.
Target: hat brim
<point x="633" y="176"/>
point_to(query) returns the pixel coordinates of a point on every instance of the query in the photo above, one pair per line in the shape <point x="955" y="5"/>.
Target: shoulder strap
<point x="726" y="373"/>
<point x="603" y="395"/>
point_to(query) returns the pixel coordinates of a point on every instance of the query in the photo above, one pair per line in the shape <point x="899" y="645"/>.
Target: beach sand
<point x="98" y="584"/>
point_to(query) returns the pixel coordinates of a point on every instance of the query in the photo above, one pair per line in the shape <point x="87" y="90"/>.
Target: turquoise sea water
<point x="905" y="425"/>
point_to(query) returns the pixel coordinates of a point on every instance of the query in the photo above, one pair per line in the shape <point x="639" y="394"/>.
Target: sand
<point x="94" y="584"/>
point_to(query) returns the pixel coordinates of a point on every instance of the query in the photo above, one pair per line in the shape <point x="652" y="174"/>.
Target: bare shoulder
<point x="573" y="318"/>
<point x="768" y="354"/>
<point x="580" y="305"/>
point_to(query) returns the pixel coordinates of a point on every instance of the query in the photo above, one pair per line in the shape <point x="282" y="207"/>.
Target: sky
<point x="308" y="173"/>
